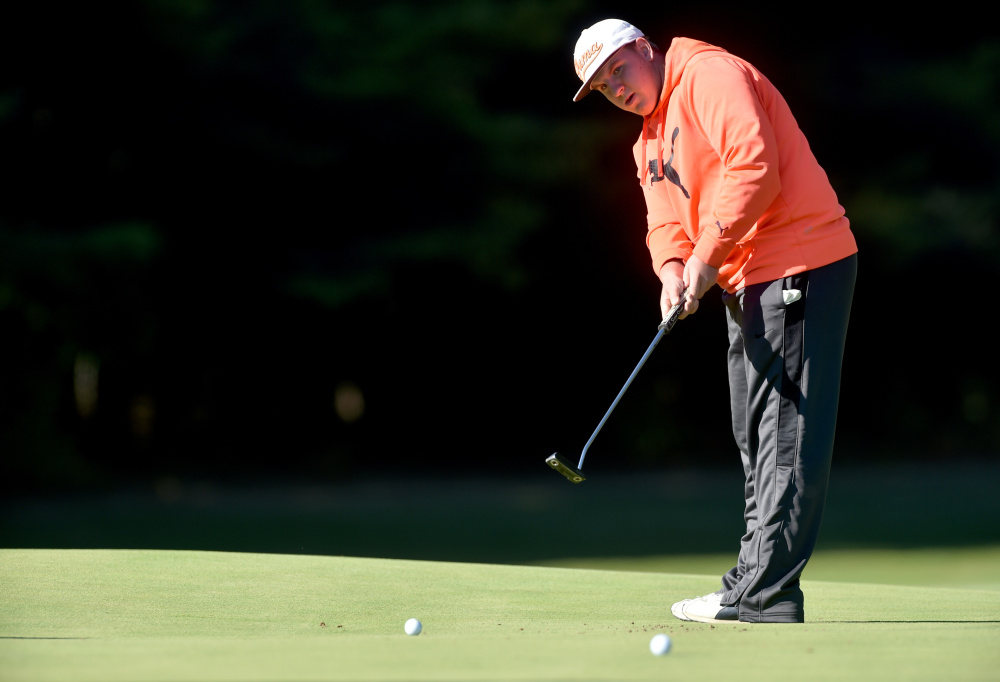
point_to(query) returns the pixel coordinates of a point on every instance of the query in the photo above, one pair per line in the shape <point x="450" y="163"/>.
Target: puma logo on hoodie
<point x="668" y="170"/>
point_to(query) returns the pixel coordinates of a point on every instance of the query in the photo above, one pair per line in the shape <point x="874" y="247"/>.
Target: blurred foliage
<point x="221" y="211"/>
<point x="938" y="190"/>
<point x="402" y="96"/>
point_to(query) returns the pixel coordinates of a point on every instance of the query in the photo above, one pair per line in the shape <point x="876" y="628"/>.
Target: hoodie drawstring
<point x="659" y="145"/>
<point x="643" y="168"/>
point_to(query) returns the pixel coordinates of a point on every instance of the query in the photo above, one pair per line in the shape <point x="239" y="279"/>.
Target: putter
<point x="575" y="473"/>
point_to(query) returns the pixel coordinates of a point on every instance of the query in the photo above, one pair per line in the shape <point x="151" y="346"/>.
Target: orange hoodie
<point x="728" y="175"/>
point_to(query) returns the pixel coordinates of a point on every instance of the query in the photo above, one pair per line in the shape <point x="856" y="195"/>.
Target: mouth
<point x="629" y="100"/>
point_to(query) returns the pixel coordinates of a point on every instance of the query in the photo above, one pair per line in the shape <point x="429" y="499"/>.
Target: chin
<point x="633" y="109"/>
<point x="645" y="110"/>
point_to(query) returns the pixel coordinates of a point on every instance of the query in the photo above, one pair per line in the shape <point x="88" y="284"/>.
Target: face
<point x="630" y="79"/>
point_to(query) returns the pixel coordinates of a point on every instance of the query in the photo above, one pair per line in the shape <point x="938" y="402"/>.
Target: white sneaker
<point x="707" y="609"/>
<point x="678" y="609"/>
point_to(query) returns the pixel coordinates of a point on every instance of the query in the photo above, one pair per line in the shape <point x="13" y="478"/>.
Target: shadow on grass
<point x="506" y="521"/>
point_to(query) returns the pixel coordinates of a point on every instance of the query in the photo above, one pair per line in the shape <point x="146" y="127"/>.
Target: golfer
<point x="735" y="198"/>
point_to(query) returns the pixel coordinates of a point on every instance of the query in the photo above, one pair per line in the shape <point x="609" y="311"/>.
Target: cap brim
<point x="583" y="91"/>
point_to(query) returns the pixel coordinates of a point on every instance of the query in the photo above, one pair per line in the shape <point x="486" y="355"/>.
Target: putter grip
<point x="671" y="319"/>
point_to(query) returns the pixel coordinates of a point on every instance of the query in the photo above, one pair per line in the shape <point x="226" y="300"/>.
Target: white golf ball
<point x="413" y="627"/>
<point x="660" y="644"/>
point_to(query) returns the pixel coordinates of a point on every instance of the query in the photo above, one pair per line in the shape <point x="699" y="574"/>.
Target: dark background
<point x="260" y="240"/>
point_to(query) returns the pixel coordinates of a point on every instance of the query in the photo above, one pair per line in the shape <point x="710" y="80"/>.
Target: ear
<point x="645" y="48"/>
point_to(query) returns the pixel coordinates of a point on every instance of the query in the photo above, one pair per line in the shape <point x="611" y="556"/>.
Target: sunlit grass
<point x="160" y="615"/>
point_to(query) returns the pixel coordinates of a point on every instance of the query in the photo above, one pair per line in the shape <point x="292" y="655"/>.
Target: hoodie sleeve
<point x="728" y="108"/>
<point x="665" y="236"/>
<point x="667" y="241"/>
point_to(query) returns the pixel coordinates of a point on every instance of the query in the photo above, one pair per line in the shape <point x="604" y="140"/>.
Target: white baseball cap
<point x="596" y="45"/>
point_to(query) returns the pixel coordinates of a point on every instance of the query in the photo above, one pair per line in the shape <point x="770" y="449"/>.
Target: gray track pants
<point x="784" y="378"/>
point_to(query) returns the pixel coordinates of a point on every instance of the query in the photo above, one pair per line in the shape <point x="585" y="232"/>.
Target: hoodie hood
<point x="682" y="51"/>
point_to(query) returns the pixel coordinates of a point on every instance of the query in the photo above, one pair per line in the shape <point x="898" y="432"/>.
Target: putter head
<point x="565" y="468"/>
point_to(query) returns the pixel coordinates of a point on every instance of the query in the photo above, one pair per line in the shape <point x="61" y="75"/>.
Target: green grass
<point x="970" y="568"/>
<point x="509" y="521"/>
<point x="514" y="579"/>
<point x="179" y="615"/>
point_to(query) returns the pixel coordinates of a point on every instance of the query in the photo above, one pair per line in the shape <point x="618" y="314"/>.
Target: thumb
<point x="690" y="296"/>
<point x="665" y="303"/>
<point x="689" y="293"/>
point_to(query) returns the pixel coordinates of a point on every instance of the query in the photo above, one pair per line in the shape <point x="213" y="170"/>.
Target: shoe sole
<point x="731" y="612"/>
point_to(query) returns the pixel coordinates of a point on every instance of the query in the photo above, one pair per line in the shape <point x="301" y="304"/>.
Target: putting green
<point x="970" y="568"/>
<point x="165" y="615"/>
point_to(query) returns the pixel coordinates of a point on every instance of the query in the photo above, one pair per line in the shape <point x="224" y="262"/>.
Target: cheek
<point x="617" y="101"/>
<point x="645" y="79"/>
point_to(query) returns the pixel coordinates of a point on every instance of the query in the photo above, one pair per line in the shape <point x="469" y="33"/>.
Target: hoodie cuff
<point x="712" y="252"/>
<point x="674" y="253"/>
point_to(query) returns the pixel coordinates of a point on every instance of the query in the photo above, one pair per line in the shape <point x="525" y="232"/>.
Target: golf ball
<point x="660" y="644"/>
<point x="413" y="627"/>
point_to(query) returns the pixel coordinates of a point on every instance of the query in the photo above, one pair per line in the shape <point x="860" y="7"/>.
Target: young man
<point x="735" y="197"/>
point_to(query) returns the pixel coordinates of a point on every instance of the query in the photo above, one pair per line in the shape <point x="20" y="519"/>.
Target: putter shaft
<point x="662" y="330"/>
